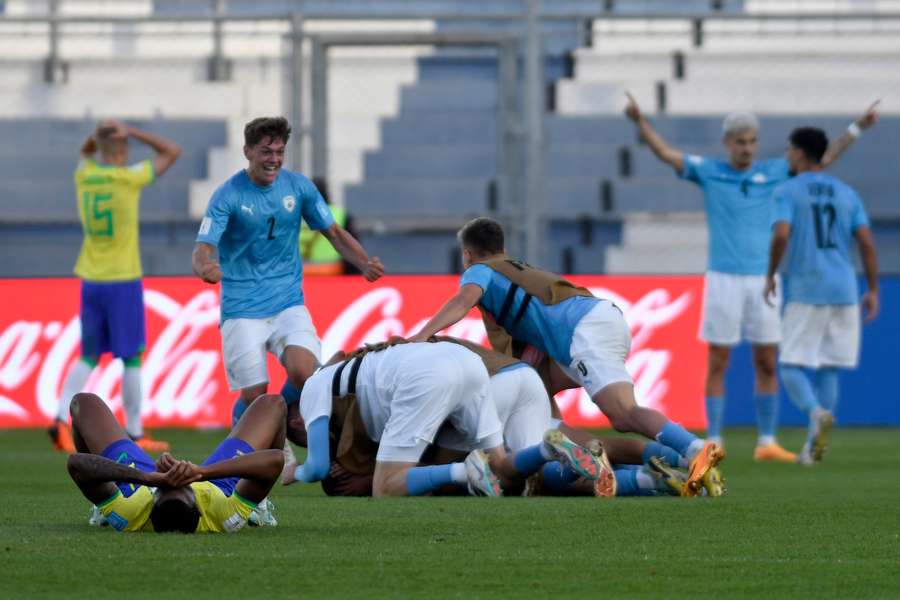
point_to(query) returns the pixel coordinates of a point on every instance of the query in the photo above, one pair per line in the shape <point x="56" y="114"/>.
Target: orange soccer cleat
<point x="708" y="457"/>
<point x="773" y="453"/>
<point x="61" y="437"/>
<point x="145" y="442"/>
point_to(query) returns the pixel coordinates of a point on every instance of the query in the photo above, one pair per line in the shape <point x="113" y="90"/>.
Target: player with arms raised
<point x="817" y="218"/>
<point x="737" y="195"/>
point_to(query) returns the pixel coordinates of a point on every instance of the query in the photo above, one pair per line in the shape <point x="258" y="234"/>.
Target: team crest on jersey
<point x="759" y="178"/>
<point x="289" y="203"/>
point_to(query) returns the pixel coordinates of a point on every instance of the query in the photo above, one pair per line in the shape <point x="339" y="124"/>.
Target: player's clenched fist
<point x="211" y="272"/>
<point x="373" y="269"/>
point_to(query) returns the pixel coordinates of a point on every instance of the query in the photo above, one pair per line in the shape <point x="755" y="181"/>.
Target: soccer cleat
<point x="534" y="485"/>
<point x="264" y="515"/>
<point x="824" y="421"/>
<point x="671" y="477"/>
<point x="570" y="454"/>
<point x="709" y="456"/>
<point x="287" y="472"/>
<point x="145" y="442"/>
<point x="605" y="484"/>
<point x="482" y="480"/>
<point x="61" y="437"/>
<point x="96" y="518"/>
<point x="714" y="483"/>
<point x="773" y="453"/>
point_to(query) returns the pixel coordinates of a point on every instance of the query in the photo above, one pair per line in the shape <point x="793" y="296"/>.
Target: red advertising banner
<point x="183" y="376"/>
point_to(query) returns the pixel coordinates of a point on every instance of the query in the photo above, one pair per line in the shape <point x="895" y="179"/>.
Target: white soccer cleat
<point x="482" y="480"/>
<point x="824" y="421"/>
<point x="96" y="519"/>
<point x="264" y="515"/>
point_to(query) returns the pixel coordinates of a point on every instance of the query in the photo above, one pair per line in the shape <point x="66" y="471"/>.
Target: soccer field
<point x="782" y="530"/>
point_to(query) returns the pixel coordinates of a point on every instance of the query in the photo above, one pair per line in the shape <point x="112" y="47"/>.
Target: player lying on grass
<point x="390" y="401"/>
<point x="135" y="494"/>
<point x="524" y="410"/>
<point x="587" y="337"/>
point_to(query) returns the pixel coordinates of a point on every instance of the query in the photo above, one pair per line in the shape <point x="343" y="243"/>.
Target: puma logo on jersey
<point x="246" y="209"/>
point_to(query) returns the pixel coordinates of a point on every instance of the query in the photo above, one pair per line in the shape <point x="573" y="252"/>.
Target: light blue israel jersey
<point x="823" y="213"/>
<point x="739" y="210"/>
<point x="548" y="328"/>
<point x="255" y="229"/>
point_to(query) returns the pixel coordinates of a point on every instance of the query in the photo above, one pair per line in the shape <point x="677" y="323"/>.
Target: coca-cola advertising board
<point x="183" y="376"/>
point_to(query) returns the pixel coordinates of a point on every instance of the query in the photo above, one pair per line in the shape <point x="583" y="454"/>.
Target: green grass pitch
<point x="782" y="531"/>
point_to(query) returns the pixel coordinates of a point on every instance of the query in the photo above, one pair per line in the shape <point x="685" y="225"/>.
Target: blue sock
<point x="237" y="410"/>
<point x="669" y="455"/>
<point x="827" y="388"/>
<point x="626" y="483"/>
<point x="290" y="393"/>
<point x="766" y="414"/>
<point x="675" y="436"/>
<point x="799" y="388"/>
<point x="558" y="478"/>
<point x="616" y="467"/>
<point x="529" y="460"/>
<point x="421" y="480"/>
<point x="715" y="410"/>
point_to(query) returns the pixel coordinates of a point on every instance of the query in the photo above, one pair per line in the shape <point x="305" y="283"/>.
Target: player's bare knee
<point x="272" y="402"/>
<point x="79" y="399"/>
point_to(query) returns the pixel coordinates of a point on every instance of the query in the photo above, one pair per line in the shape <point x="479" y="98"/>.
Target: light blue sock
<point x="799" y="388"/>
<point x="557" y="478"/>
<point x="290" y="393"/>
<point x="766" y="414"/>
<point x="529" y="460"/>
<point x="668" y="455"/>
<point x="715" y="411"/>
<point x="827" y="388"/>
<point x="421" y="480"/>
<point x="237" y="411"/>
<point x="626" y="482"/>
<point x="675" y="436"/>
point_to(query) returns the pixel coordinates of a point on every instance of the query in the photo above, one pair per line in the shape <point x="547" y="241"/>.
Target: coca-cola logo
<point x="183" y="378"/>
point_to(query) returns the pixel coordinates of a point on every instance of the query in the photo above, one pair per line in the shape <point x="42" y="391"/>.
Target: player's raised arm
<point x="669" y="155"/>
<point x="167" y="151"/>
<point x="352" y="251"/>
<point x="869" y="257"/>
<point x="838" y="146"/>
<point x="204" y="263"/>
<point x="451" y="312"/>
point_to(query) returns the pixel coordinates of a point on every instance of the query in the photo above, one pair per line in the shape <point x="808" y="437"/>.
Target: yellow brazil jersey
<point x="218" y="513"/>
<point x="108" y="199"/>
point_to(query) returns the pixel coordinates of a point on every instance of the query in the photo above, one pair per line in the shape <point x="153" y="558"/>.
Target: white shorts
<point x="522" y="406"/>
<point x="246" y="341"/>
<point x="425" y="385"/>
<point x="600" y="344"/>
<point x="821" y="335"/>
<point x="734" y="309"/>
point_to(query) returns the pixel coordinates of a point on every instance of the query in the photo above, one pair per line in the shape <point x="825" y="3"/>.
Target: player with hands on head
<point x="220" y="495"/>
<point x="108" y="193"/>
<point x="738" y="201"/>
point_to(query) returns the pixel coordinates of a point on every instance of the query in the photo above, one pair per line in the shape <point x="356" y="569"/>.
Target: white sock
<point x="73" y="384"/>
<point x="695" y="447"/>
<point x="458" y="472"/>
<point x="131" y="401"/>
<point x="548" y="452"/>
<point x="288" y="452"/>
<point x="645" y="481"/>
<point x="765" y="440"/>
